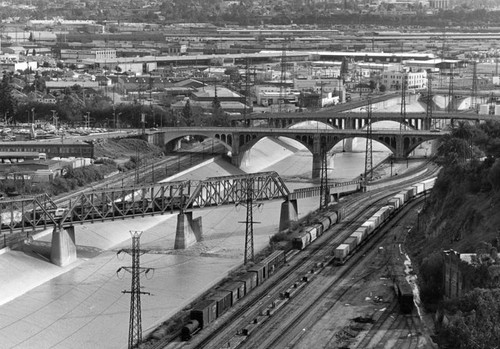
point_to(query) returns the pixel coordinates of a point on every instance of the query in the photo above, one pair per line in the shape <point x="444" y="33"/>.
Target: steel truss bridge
<point x="40" y="212"/>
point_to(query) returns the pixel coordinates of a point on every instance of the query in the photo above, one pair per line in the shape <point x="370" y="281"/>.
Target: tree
<point x="7" y="103"/>
<point x="187" y="113"/>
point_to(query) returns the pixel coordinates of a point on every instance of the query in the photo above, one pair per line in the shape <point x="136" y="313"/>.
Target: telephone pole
<point x="135" y="322"/>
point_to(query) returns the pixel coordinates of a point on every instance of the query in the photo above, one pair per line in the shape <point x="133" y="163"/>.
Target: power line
<point x="135" y="322"/>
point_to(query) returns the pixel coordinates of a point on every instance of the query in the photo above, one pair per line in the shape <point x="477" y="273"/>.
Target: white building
<point x="267" y="95"/>
<point x="394" y="79"/>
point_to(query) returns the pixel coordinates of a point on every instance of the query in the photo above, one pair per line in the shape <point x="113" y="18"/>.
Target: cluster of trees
<point x="470" y="156"/>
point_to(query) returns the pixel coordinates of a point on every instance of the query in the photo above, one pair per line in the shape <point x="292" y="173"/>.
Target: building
<point x="267" y="95"/>
<point x="394" y="79"/>
<point x="454" y="282"/>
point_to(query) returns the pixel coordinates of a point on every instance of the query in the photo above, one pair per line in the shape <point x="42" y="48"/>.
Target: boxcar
<point x="394" y="202"/>
<point x="260" y="270"/>
<point x="429" y="183"/>
<point x="204" y="312"/>
<point x="223" y="299"/>
<point x="341" y="252"/>
<point x="404" y="293"/>
<point x="419" y="188"/>
<point x="237" y="289"/>
<point x="352" y="242"/>
<point x="358" y="236"/>
<point x="274" y="261"/>
<point x="249" y="280"/>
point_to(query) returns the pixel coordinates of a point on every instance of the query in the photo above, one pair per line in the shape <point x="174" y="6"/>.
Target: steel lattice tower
<point x="473" y="103"/>
<point x="135" y="321"/>
<point x="451" y="102"/>
<point x="404" y="85"/>
<point x="249" y="222"/>
<point x="324" y="190"/>
<point x="429" y="107"/>
<point x="281" y="100"/>
<point x="247" y="91"/>
<point x="369" y="148"/>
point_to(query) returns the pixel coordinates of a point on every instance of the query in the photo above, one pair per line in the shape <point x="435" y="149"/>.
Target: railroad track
<point x="313" y="306"/>
<point x="223" y="331"/>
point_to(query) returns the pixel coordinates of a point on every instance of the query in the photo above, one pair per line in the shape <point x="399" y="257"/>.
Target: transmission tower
<point x="248" y="202"/>
<point x="282" y="79"/>
<point x="404" y="83"/>
<point x="324" y="189"/>
<point x="135" y="322"/>
<point x="369" y="148"/>
<point x="249" y="81"/>
<point x="451" y="102"/>
<point x="428" y="114"/>
<point x="473" y="103"/>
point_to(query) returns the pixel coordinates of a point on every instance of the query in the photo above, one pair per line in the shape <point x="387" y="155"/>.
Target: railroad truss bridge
<point x="29" y="215"/>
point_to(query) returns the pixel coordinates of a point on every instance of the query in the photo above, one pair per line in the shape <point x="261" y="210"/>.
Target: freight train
<point x="365" y="231"/>
<point x="228" y="294"/>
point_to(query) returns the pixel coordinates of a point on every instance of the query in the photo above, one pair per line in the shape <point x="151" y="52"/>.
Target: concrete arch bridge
<point x="239" y="140"/>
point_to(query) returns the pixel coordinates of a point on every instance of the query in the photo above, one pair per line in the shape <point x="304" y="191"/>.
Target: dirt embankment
<point x="122" y="149"/>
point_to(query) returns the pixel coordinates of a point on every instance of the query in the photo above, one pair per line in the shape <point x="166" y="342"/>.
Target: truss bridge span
<point x="29" y="215"/>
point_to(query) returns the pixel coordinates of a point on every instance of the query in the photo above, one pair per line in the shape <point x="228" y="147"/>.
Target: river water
<point x="82" y="305"/>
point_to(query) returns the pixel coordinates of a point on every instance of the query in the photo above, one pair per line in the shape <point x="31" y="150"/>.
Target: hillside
<point x="455" y="219"/>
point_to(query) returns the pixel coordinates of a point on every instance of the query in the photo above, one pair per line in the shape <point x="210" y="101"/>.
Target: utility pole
<point x="135" y="322"/>
<point x="249" y="222"/>
<point x="369" y="149"/>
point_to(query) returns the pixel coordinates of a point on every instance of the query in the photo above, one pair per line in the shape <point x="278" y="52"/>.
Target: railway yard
<point x="309" y="299"/>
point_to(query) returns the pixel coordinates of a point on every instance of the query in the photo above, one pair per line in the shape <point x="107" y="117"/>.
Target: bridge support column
<point x="400" y="153"/>
<point x="426" y="124"/>
<point x="289" y="214"/>
<point x="316" y="166"/>
<point x="63" y="247"/>
<point x="347" y="144"/>
<point x="187" y="230"/>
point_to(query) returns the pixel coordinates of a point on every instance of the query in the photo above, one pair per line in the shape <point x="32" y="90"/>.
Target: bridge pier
<point x="289" y="214"/>
<point x="188" y="230"/>
<point x="63" y="247"/>
<point x="316" y="166"/>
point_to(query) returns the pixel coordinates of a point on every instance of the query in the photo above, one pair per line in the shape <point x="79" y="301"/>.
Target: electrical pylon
<point x="324" y="189"/>
<point x="451" y="102"/>
<point x="473" y="103"/>
<point x="369" y="148"/>
<point x="248" y="202"/>
<point x="135" y="322"/>
<point x="429" y="108"/>
<point x="281" y="100"/>
<point x="404" y="85"/>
